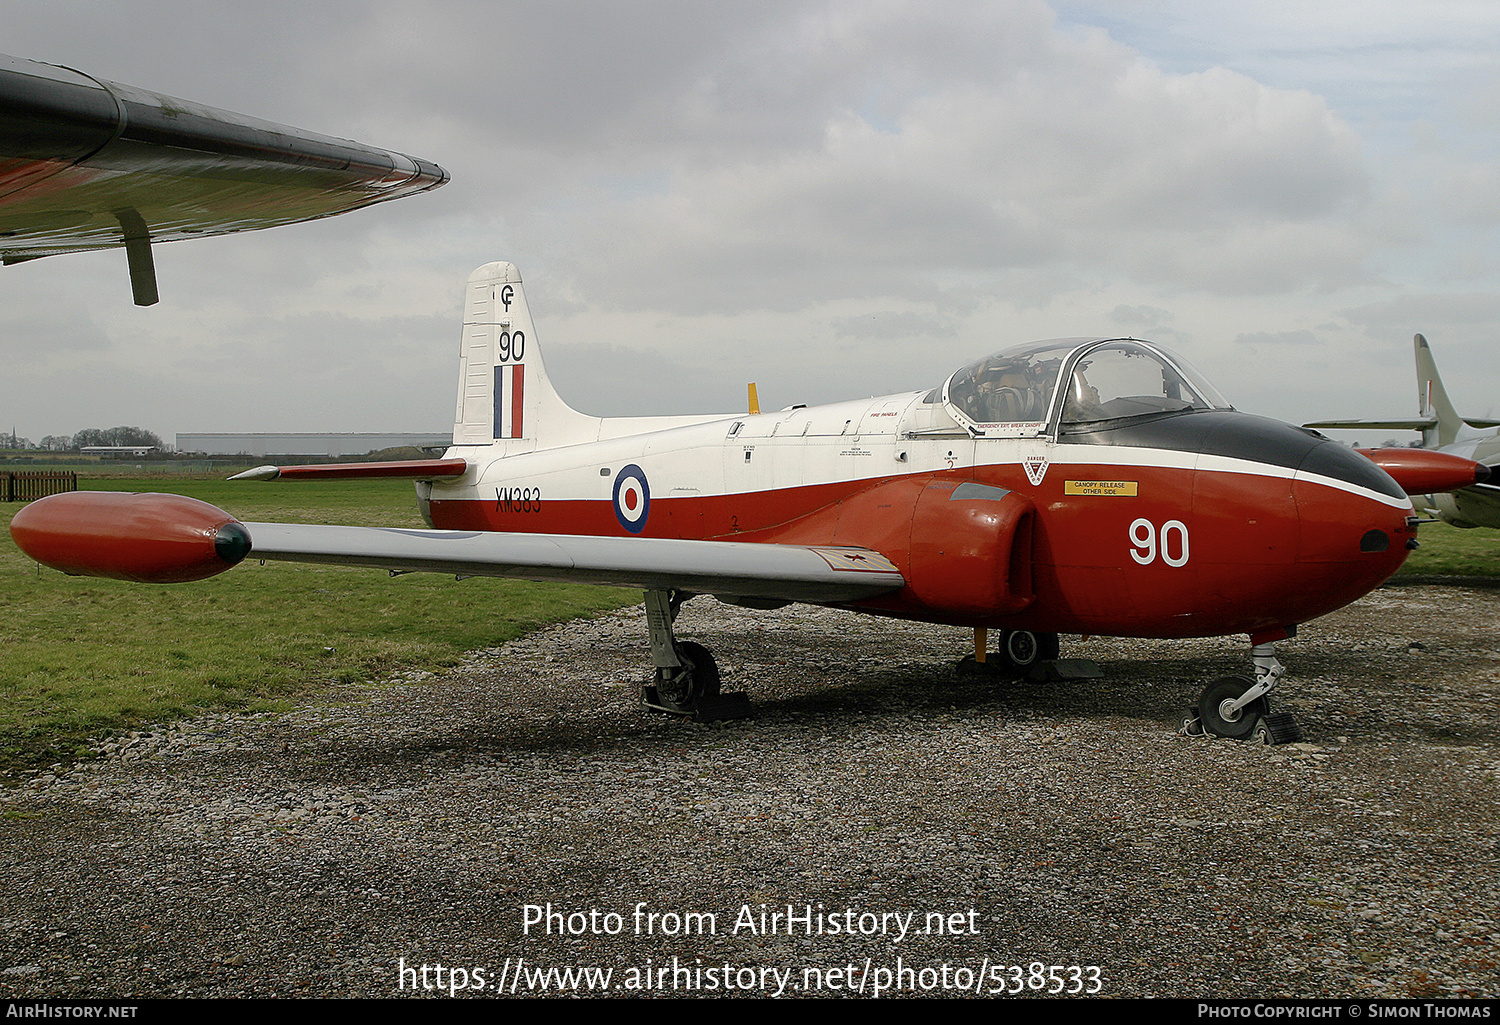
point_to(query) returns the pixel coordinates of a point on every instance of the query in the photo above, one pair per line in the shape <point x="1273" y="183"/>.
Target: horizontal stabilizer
<point x="1409" y="424"/>
<point x="402" y="469"/>
<point x="1438" y="421"/>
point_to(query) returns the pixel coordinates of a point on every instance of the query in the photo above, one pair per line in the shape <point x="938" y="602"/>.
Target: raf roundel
<point x="632" y="498"/>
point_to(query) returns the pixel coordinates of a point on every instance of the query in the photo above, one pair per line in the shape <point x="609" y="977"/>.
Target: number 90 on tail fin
<point x="504" y="395"/>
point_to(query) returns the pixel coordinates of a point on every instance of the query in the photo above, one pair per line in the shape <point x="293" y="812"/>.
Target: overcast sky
<point x="832" y="199"/>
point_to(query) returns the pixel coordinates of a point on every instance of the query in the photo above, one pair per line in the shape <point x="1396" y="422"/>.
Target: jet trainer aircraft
<point x="1443" y="430"/>
<point x="1081" y="486"/>
<point x="89" y="164"/>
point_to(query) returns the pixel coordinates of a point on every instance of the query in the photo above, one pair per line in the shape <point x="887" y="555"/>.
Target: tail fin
<point x="1432" y="400"/>
<point x="504" y="396"/>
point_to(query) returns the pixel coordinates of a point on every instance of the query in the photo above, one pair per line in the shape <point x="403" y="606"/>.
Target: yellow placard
<point x="1107" y="488"/>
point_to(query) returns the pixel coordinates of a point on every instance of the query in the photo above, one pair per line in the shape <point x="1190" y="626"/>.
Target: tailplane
<point x="1437" y="419"/>
<point x="504" y="395"/>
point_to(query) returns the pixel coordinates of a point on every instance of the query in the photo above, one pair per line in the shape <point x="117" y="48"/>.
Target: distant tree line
<point x="134" y="436"/>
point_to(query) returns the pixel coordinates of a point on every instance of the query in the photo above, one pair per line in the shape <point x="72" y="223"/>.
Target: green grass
<point x="81" y="657"/>
<point x="1454" y="551"/>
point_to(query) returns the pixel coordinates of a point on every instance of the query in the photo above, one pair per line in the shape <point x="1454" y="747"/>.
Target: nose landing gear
<point x="1236" y="707"/>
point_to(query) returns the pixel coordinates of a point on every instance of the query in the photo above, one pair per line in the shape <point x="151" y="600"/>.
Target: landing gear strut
<point x="1236" y="707"/>
<point x="686" y="681"/>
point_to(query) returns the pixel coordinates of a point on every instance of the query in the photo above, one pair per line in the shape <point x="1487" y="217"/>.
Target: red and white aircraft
<point x="1081" y="486"/>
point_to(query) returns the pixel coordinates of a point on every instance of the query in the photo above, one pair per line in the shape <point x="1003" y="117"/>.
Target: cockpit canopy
<point x="1027" y="389"/>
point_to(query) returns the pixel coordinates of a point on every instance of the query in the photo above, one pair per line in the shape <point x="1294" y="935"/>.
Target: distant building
<point x="118" y="450"/>
<point x="333" y="446"/>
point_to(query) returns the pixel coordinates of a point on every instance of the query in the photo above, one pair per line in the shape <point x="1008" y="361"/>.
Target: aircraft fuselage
<point x="1194" y="524"/>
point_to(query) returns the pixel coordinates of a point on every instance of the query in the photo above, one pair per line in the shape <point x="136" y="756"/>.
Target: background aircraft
<point x="1443" y="430"/>
<point x="88" y="164"/>
<point x="1089" y="486"/>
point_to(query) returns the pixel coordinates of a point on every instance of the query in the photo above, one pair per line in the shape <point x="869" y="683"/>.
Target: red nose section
<point x="158" y="539"/>
<point x="1423" y="472"/>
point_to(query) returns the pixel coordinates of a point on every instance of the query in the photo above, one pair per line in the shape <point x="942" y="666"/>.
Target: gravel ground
<point x="351" y="849"/>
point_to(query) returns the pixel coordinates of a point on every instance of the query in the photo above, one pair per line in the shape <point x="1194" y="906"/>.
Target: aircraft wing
<point x="88" y="164"/>
<point x="170" y="538"/>
<point x="790" y="572"/>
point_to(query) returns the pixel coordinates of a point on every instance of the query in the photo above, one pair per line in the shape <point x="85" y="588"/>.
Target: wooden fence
<point x="24" y="485"/>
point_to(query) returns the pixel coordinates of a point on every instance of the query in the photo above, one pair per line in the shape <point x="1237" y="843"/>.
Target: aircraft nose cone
<point x="1353" y="530"/>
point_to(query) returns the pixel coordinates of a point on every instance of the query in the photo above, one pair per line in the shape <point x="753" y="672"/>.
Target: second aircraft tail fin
<point x="1432" y="400"/>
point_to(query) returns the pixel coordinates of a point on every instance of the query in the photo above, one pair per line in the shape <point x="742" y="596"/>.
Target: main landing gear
<point x="1023" y="650"/>
<point x="1236" y="707"/>
<point x="1024" y="653"/>
<point x="686" y="681"/>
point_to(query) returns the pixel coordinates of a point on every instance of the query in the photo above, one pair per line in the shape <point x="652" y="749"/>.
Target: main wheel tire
<point x="1216" y="717"/>
<point x="1022" y="649"/>
<point x="698" y="678"/>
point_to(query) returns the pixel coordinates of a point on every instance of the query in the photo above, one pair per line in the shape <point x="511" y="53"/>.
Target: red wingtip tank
<point x="1422" y="471"/>
<point x="149" y="538"/>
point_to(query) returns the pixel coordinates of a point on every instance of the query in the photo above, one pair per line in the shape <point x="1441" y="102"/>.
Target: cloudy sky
<point x="832" y="198"/>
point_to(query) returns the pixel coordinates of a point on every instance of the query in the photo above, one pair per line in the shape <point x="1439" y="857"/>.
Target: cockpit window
<point x="1122" y="379"/>
<point x="1016" y="391"/>
<point x="1009" y="387"/>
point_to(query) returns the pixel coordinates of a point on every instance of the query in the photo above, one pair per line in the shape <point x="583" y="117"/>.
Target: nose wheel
<point x="1236" y="706"/>
<point x="1219" y="711"/>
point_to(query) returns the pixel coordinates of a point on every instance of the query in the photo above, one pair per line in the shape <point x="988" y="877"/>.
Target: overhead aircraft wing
<point x="89" y="164"/>
<point x="170" y="538"/>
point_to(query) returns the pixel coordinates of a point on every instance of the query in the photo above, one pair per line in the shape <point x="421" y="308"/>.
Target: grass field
<point x="82" y="657"/>
<point x="1453" y="552"/>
